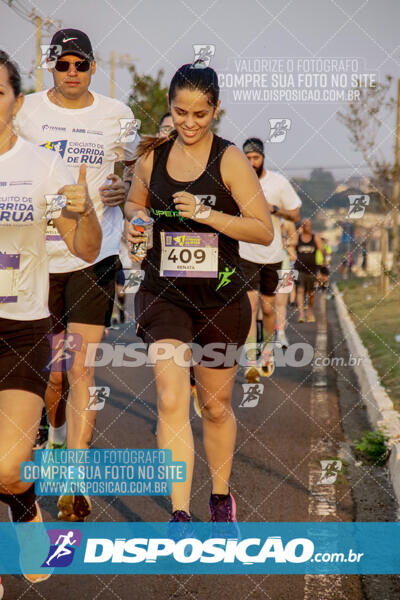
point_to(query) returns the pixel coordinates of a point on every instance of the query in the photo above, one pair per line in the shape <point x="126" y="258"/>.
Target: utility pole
<point x="38" y="70"/>
<point x="112" y="74"/>
<point x="115" y="61"/>
<point x="396" y="189"/>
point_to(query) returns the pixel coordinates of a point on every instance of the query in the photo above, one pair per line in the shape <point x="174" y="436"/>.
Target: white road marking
<point x="322" y="503"/>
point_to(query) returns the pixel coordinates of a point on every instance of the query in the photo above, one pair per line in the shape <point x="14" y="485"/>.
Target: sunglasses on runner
<point x="80" y="65"/>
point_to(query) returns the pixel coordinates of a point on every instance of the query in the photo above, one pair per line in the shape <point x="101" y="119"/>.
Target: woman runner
<point x="204" y="196"/>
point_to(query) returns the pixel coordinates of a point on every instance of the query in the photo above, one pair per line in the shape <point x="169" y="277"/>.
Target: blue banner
<point x="209" y="548"/>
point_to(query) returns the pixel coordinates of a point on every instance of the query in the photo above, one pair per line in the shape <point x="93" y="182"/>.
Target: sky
<point x="269" y="46"/>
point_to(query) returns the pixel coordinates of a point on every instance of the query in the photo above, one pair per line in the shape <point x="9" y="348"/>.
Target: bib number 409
<point x="186" y="256"/>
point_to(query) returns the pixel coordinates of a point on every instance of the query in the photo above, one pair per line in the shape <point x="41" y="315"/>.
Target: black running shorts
<point x="24" y="353"/>
<point x="84" y="296"/>
<point x="263" y="278"/>
<point x="307" y="281"/>
<point x="159" y="319"/>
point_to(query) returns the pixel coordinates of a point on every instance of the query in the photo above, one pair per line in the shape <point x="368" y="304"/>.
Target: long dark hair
<point x="14" y="76"/>
<point x="187" y="77"/>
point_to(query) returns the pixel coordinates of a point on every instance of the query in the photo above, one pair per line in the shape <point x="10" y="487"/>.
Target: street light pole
<point x="38" y="70"/>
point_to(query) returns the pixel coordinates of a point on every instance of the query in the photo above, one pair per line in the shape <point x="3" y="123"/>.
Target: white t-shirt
<point x="95" y="136"/>
<point x="279" y="192"/>
<point x="27" y="175"/>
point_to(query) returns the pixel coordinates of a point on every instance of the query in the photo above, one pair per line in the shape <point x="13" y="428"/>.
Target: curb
<point x="381" y="413"/>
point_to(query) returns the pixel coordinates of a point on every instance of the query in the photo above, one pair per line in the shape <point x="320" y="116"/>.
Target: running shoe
<point x="282" y="339"/>
<point x="74" y="508"/>
<point x="252" y="372"/>
<point x="196" y="405"/>
<point x="180" y="516"/>
<point x="311" y="319"/>
<point x="222" y="509"/>
<point x="54" y="446"/>
<point x="41" y="437"/>
<point x="180" y="526"/>
<point x="301" y="319"/>
<point x="29" y="540"/>
<point x="267" y="366"/>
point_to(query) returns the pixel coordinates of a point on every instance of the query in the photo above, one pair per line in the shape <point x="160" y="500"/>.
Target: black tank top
<point x="189" y="292"/>
<point x="306" y="255"/>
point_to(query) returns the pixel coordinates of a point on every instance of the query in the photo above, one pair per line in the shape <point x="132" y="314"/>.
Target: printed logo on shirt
<point x="225" y="277"/>
<point x="78" y="153"/>
<point x="57" y="145"/>
<point x="168" y="213"/>
<point x="85" y="153"/>
<point x="16" y="209"/>
<point x="46" y="127"/>
<point x="78" y="130"/>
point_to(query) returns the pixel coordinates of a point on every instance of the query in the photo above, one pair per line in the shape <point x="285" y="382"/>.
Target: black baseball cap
<point x="72" y="41"/>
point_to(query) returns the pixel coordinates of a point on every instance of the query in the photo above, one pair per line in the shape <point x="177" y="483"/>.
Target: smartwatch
<point x="274" y="209"/>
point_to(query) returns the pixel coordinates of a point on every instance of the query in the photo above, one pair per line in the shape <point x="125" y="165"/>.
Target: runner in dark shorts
<point x="204" y="197"/>
<point x="307" y="245"/>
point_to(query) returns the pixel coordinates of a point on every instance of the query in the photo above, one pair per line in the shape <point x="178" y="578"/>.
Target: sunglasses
<point x="80" y="65"/>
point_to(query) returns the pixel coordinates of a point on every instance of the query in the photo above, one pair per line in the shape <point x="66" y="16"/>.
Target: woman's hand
<point x="134" y="237"/>
<point x="191" y="206"/>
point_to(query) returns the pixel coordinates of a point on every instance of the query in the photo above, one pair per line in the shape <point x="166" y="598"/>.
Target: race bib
<point x="189" y="254"/>
<point x="9" y="272"/>
<point x="52" y="234"/>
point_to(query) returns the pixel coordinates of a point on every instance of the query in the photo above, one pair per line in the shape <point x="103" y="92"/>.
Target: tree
<point x="364" y="119"/>
<point x="148" y="100"/>
<point x="315" y="192"/>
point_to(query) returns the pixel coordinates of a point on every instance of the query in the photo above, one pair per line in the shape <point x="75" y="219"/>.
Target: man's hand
<point x="115" y="193"/>
<point x="77" y="195"/>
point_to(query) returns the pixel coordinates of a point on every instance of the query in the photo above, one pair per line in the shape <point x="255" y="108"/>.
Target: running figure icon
<point x="62" y="550"/>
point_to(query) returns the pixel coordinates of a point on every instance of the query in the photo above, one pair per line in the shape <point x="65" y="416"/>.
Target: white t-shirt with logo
<point x="27" y="175"/>
<point x="97" y="136"/>
<point x="279" y="192"/>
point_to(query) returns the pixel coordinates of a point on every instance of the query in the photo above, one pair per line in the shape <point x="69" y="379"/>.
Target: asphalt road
<point x="296" y="423"/>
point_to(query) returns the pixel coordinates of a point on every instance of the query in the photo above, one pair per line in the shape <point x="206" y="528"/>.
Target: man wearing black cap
<point x="262" y="263"/>
<point x="85" y="128"/>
